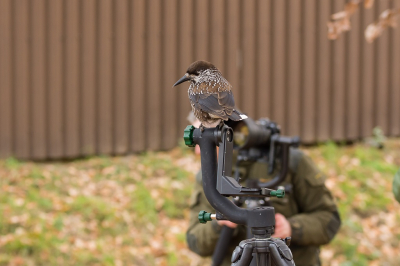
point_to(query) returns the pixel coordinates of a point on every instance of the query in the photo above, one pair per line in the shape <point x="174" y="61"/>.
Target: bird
<point x="210" y="95"/>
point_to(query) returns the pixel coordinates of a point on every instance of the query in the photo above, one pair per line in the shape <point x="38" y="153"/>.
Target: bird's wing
<point x="220" y="104"/>
<point x="225" y="98"/>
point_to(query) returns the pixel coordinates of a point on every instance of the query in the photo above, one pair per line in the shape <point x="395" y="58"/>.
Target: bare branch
<point x="341" y="20"/>
<point x="387" y="18"/>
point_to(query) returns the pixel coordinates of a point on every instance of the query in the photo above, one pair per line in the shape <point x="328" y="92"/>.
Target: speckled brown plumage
<point x="210" y="94"/>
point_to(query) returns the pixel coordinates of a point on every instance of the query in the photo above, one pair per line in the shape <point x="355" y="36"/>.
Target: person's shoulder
<point x="305" y="169"/>
<point x="295" y="157"/>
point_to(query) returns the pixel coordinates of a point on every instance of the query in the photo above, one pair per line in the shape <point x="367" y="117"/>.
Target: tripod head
<point x="261" y="141"/>
<point x="218" y="184"/>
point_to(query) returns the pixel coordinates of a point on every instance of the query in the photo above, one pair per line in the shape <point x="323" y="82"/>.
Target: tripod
<point x="226" y="233"/>
<point x="218" y="184"/>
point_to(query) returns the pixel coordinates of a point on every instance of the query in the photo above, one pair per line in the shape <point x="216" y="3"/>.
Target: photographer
<point x="307" y="214"/>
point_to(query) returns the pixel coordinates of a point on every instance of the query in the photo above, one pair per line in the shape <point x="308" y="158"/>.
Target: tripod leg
<point x="249" y="236"/>
<point x="254" y="260"/>
<point x="262" y="259"/>
<point x="242" y="256"/>
<point x="275" y="256"/>
<point x="222" y="245"/>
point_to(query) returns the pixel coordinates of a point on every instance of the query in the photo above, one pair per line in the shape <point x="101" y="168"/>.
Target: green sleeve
<point x="201" y="238"/>
<point x="396" y="186"/>
<point x="318" y="220"/>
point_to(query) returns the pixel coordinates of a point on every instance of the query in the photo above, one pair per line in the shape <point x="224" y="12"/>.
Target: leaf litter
<point x="133" y="210"/>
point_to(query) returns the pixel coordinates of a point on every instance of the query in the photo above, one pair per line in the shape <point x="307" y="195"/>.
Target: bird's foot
<point x="221" y="124"/>
<point x="201" y="128"/>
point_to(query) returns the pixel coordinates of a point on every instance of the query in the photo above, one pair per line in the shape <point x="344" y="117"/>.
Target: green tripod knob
<point x="204" y="217"/>
<point x="188" y="136"/>
<point x="279" y="193"/>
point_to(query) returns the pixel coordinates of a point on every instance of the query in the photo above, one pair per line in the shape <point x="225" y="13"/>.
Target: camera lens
<point x="241" y="133"/>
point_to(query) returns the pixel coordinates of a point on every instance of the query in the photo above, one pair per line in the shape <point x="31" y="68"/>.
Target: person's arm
<point x="318" y="220"/>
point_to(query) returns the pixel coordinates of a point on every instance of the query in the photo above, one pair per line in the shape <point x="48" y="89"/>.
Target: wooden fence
<point x="84" y="77"/>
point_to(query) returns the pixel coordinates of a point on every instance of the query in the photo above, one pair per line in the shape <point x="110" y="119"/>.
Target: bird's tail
<point x="237" y="116"/>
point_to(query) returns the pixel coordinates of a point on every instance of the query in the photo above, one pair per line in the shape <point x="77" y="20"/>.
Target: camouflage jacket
<point x="309" y="208"/>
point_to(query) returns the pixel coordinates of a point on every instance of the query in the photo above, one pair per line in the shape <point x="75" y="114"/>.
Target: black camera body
<point x="259" y="141"/>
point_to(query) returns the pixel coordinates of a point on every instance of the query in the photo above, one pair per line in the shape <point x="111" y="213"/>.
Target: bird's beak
<point x="182" y="79"/>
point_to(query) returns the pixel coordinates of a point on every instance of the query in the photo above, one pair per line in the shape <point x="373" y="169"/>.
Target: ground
<point x="133" y="210"/>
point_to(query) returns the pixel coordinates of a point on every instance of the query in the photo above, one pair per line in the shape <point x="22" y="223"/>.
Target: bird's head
<point x="198" y="71"/>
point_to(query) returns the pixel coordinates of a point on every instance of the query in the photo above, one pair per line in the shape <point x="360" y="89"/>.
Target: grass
<point x="360" y="178"/>
<point x="133" y="210"/>
<point x="96" y="211"/>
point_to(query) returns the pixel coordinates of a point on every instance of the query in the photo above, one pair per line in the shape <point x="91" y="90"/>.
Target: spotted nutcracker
<point x="210" y="95"/>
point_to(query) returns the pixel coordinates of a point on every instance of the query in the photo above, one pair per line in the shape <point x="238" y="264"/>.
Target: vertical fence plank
<point x="263" y="60"/>
<point x="278" y="88"/>
<point x="21" y="78"/>
<point x="353" y="78"/>
<point x="248" y="85"/>
<point x="38" y="79"/>
<point x="323" y="72"/>
<point x="293" y="126"/>
<point x="232" y="48"/>
<point x="394" y="94"/>
<point x="120" y="83"/>
<point x="138" y="70"/>
<point x="186" y="54"/>
<point x="382" y="72"/>
<point x="105" y="77"/>
<point x="338" y="81"/>
<point x="170" y="74"/>
<point x="217" y="34"/>
<point x="309" y="68"/>
<point x="88" y="82"/>
<point x="201" y="33"/>
<point x="6" y="110"/>
<point x="71" y="84"/>
<point x="55" y="78"/>
<point x="367" y="73"/>
<point x="153" y="99"/>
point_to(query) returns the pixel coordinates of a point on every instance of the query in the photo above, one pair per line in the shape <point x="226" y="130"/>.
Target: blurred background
<point x="89" y="77"/>
<point x="93" y="79"/>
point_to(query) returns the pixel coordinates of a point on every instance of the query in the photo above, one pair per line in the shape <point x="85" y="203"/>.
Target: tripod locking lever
<point x="205" y="217"/>
<point x="279" y="193"/>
